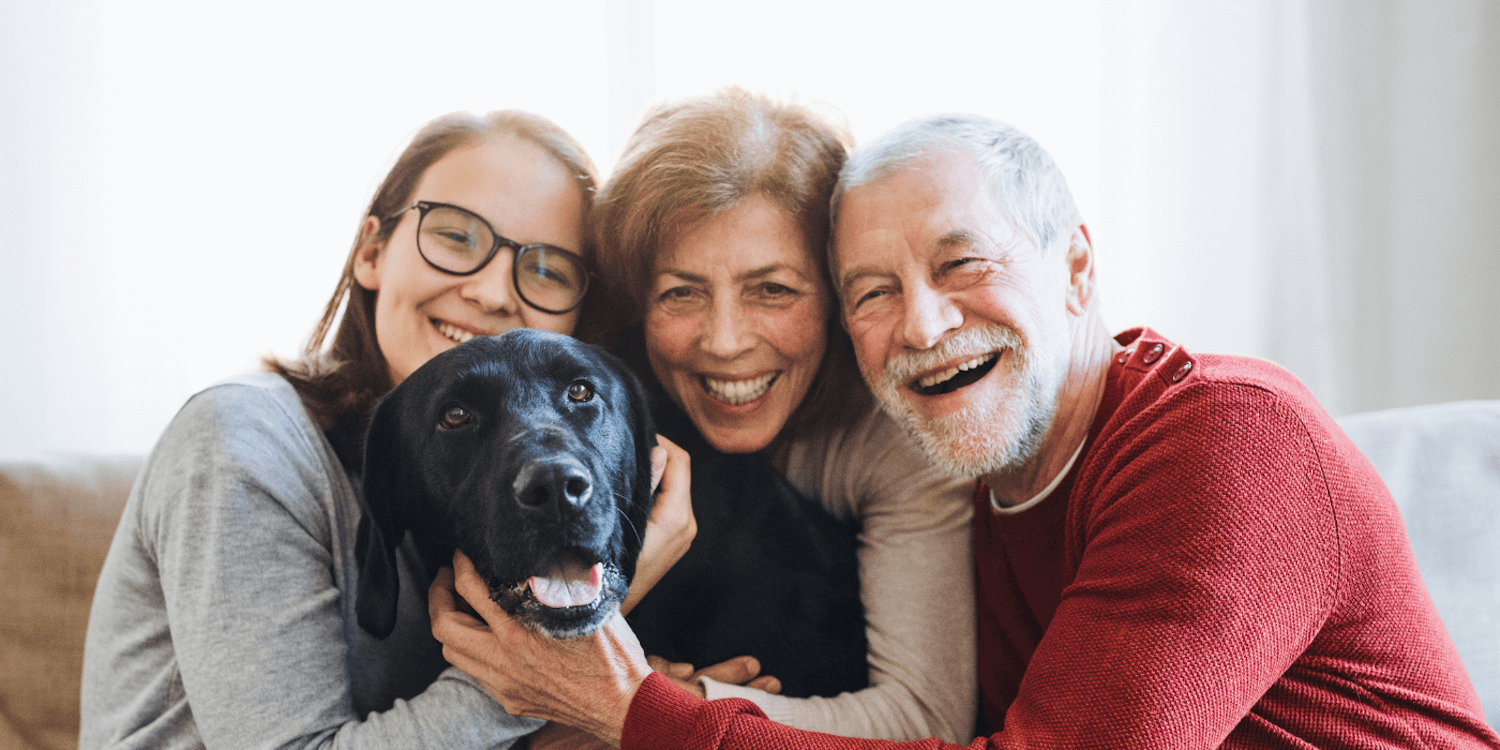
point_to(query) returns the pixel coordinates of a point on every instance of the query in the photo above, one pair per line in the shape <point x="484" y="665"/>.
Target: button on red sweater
<point x="1220" y="568"/>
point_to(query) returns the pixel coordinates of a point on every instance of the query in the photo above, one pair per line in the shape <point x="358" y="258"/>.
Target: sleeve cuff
<point x="663" y="716"/>
<point x="776" y="708"/>
<point x="660" y="716"/>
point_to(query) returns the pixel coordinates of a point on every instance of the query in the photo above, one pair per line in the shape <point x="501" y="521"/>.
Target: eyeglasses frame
<point x="424" y="207"/>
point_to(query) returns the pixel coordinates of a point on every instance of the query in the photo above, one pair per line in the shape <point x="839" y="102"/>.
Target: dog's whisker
<point x="639" y="537"/>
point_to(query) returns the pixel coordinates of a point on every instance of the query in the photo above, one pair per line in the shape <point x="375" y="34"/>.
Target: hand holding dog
<point x="585" y="682"/>
<point x="671" y="528"/>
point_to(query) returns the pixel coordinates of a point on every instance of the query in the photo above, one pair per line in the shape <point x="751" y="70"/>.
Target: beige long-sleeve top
<point x="916" y="580"/>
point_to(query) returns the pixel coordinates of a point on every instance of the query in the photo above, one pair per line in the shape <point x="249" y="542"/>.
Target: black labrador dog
<point x="530" y="452"/>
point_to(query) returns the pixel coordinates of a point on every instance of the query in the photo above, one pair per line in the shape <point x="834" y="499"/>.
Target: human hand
<point x="671" y="528"/>
<point x="741" y="670"/>
<point x="585" y="682"/>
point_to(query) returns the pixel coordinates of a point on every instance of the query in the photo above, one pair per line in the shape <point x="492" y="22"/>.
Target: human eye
<point x="865" y="299"/>
<point x="775" y="293"/>
<point x="679" y="300"/>
<point x="551" y="269"/>
<point x="965" y="270"/>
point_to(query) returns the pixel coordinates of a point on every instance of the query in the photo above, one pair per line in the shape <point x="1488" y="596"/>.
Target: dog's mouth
<point x="568" y="599"/>
<point x="956" y="377"/>
<point x="567" y="585"/>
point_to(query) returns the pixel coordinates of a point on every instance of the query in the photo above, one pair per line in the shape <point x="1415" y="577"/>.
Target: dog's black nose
<point x="559" y="485"/>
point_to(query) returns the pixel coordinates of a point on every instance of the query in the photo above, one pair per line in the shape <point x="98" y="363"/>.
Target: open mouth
<point x="451" y="331"/>
<point x="570" y="584"/>
<point x="737" y="392"/>
<point x="954" y="378"/>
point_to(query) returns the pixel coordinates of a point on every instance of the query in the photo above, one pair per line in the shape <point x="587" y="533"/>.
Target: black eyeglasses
<point x="458" y="241"/>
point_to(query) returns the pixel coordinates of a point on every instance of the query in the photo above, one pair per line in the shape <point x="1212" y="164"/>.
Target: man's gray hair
<point x="1024" y="179"/>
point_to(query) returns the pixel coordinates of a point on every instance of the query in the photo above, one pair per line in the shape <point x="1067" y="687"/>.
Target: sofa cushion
<point x="1442" y="465"/>
<point x="57" y="517"/>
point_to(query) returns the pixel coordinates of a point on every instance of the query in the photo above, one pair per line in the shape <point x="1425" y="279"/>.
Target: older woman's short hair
<point x="1030" y="188"/>
<point x="691" y="160"/>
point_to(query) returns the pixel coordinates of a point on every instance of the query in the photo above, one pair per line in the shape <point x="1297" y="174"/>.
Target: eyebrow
<point x="956" y="237"/>
<point x="754" y="273"/>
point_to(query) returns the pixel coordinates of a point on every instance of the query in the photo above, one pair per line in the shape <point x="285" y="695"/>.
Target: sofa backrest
<point x="57" y="517"/>
<point x="1442" y="464"/>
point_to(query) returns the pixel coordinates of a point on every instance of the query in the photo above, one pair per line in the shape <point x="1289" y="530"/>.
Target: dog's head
<point x="529" y="451"/>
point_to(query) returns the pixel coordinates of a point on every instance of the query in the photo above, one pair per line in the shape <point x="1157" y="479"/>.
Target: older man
<point x="1174" y="549"/>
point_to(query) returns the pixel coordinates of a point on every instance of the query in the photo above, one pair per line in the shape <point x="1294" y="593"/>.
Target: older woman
<point x="713" y="229"/>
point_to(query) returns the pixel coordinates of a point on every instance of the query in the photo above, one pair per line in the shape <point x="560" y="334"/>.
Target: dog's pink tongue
<point x="571" y="585"/>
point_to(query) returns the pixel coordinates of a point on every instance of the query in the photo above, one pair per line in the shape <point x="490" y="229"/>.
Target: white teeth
<point x="939" y="377"/>
<point x="736" y="392"/>
<point x="451" y="332"/>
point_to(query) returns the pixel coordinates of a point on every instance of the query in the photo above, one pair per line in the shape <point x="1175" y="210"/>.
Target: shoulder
<point x="1199" y="402"/>
<point x="244" y="437"/>
<point x="245" y="415"/>
<point x="1211" y="444"/>
<point x="870" y="466"/>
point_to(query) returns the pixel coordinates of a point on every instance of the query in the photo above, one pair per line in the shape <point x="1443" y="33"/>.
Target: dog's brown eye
<point x="580" y="390"/>
<point x="455" y="416"/>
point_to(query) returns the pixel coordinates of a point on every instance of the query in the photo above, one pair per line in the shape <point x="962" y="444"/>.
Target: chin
<point x="738" y="441"/>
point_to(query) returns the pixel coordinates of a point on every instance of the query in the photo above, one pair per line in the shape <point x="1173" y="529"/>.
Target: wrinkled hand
<point x="583" y="682"/>
<point x="671" y="528"/>
<point x="741" y="670"/>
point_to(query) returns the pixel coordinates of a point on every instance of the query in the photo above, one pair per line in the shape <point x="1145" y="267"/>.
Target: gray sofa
<point x="57" y="516"/>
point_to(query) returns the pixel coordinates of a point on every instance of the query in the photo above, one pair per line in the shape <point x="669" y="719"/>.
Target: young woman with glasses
<point x="224" y="616"/>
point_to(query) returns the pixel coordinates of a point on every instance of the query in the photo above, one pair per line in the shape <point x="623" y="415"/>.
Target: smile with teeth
<point x="943" y="376"/>
<point x="451" y="331"/>
<point x="737" y="392"/>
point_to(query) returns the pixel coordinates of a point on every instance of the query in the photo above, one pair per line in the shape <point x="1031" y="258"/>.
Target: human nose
<point x="728" y="333"/>
<point x="928" y="316"/>
<point x="493" y="288"/>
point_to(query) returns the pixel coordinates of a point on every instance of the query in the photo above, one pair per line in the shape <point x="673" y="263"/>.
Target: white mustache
<point x="969" y="342"/>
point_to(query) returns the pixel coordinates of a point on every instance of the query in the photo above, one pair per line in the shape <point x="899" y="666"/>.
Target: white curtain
<point x="1316" y="182"/>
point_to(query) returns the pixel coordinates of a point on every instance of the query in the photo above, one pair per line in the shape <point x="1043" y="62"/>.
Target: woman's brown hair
<point x="691" y="160"/>
<point x="348" y="375"/>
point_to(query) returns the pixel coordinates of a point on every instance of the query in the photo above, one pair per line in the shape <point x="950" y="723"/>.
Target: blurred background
<point x="1315" y="182"/>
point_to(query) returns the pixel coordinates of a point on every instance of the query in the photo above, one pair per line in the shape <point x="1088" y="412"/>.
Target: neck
<point x="1078" y="400"/>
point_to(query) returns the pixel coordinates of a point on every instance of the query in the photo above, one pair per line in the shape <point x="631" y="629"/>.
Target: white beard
<point x="986" y="438"/>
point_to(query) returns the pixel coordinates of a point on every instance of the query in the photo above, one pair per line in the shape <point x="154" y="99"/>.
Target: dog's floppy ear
<point x="380" y="525"/>
<point x="642" y="498"/>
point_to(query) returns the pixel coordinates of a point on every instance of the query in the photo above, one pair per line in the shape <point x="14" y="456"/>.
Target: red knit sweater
<point x="1220" y="568"/>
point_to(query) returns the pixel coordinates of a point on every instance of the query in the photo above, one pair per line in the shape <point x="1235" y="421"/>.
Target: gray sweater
<point x="224" y="616"/>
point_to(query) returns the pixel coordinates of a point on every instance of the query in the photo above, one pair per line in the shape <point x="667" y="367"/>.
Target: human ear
<point x="367" y="255"/>
<point x="1080" y="257"/>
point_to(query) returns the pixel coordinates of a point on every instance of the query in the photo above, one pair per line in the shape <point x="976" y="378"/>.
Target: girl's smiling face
<point x="526" y="195"/>
<point x="736" y="323"/>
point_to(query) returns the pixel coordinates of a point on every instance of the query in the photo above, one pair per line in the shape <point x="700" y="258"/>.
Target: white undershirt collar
<point x="1040" y="496"/>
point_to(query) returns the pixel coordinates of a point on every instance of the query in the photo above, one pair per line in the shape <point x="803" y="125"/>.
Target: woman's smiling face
<point x="736" y="323"/>
<point x="526" y="195"/>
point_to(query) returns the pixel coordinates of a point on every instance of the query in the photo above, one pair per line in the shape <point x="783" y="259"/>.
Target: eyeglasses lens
<point x="454" y="240"/>
<point x="550" y="279"/>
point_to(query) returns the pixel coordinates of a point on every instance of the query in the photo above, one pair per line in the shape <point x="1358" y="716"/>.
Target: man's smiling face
<point x="959" y="321"/>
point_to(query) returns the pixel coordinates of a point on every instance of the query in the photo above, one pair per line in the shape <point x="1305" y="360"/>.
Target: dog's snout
<point x="557" y="486"/>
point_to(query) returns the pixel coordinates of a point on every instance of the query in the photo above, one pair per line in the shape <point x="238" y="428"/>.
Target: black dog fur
<point x="547" y="467"/>
<point x="770" y="573"/>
